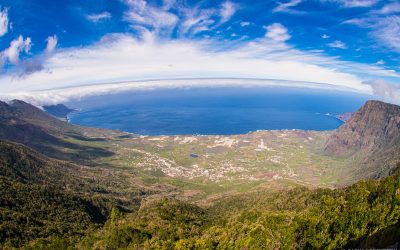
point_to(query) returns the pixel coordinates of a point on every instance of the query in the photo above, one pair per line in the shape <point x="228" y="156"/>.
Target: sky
<point x="52" y="51"/>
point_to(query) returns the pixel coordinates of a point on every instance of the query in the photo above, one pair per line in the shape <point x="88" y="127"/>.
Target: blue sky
<point x="51" y="45"/>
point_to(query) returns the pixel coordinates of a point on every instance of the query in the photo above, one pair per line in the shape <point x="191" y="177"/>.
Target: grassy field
<point x="201" y="168"/>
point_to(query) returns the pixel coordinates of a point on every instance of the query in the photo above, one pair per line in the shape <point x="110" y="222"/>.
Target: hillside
<point x="24" y="165"/>
<point x="371" y="138"/>
<point x="42" y="197"/>
<point x="24" y="123"/>
<point x="373" y="128"/>
<point x="365" y="215"/>
<point x="45" y="198"/>
<point x="191" y="192"/>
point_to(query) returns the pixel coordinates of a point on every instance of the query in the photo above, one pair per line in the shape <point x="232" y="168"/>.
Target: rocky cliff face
<point x="370" y="140"/>
<point x="374" y="127"/>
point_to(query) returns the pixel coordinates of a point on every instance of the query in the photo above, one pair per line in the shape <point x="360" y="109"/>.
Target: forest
<point x="362" y="215"/>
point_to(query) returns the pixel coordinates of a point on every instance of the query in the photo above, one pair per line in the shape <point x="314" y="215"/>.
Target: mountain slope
<point x="25" y="165"/>
<point x="374" y="127"/>
<point x="24" y="123"/>
<point x="371" y="138"/>
<point x="21" y="110"/>
<point x="32" y="211"/>
<point x="44" y="198"/>
<point x="364" y="215"/>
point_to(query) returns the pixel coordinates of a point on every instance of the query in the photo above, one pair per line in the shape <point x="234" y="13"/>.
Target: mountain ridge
<point x="374" y="124"/>
<point x="24" y="123"/>
<point x="371" y="137"/>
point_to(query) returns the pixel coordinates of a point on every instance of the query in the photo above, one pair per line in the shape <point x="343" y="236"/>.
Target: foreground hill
<point x="365" y="215"/>
<point x="41" y="207"/>
<point x="42" y="198"/>
<point x="371" y="138"/>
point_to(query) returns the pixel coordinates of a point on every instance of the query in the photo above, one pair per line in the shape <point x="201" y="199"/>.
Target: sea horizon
<point x="218" y="111"/>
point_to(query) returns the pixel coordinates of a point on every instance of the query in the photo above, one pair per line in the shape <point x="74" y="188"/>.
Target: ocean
<point x="219" y="111"/>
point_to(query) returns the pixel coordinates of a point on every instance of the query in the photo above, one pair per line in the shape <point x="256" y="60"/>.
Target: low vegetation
<point x="364" y="215"/>
<point x="29" y="212"/>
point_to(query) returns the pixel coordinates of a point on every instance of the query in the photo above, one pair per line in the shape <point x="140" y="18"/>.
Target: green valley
<point x="66" y="186"/>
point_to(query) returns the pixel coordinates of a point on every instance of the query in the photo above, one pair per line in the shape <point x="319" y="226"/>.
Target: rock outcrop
<point x="374" y="127"/>
<point x="370" y="140"/>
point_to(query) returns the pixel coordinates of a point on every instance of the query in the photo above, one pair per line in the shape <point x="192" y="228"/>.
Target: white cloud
<point x="390" y="8"/>
<point x="337" y="45"/>
<point x="4" y="22"/>
<point x="244" y="24"/>
<point x="354" y="3"/>
<point x="173" y="16"/>
<point x="389" y="92"/>
<point x="61" y="95"/>
<point x="380" y="62"/>
<point x="359" y="3"/>
<point x="196" y="20"/>
<point x="95" y="18"/>
<point x="12" y="53"/>
<point x="28" y="65"/>
<point x="385" y="29"/>
<point x="357" y="21"/>
<point x="51" y="44"/>
<point x="277" y="32"/>
<point x="286" y="7"/>
<point x="158" y="19"/>
<point x="325" y="36"/>
<point x="124" y="58"/>
<point x="168" y="4"/>
<point x="228" y="9"/>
